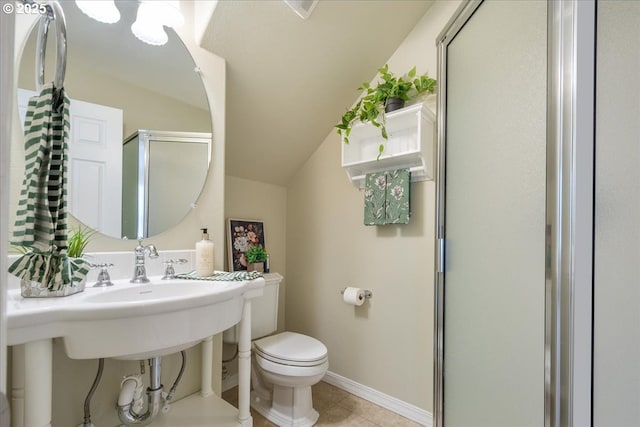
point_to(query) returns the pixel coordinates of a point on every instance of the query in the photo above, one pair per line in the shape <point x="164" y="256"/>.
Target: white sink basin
<point x="150" y="292"/>
<point x="130" y="321"/>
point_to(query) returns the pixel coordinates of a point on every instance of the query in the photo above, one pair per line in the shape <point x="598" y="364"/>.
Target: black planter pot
<point x="393" y="104"/>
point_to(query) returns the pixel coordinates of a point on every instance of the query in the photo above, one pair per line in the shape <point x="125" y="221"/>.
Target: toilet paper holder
<point x="367" y="293"/>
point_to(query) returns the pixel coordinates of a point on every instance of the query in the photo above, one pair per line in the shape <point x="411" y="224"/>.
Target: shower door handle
<point x="440" y="256"/>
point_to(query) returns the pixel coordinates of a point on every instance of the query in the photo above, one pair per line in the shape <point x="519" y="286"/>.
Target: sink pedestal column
<point x="206" y="388"/>
<point x="32" y="377"/>
<point x="244" y="366"/>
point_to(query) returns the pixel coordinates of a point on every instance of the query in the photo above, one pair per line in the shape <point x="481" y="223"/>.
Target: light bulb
<point x="100" y="10"/>
<point x="167" y="12"/>
<point x="147" y="28"/>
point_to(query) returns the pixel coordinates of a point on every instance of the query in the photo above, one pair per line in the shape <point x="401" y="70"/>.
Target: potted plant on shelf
<point x="388" y="95"/>
<point x="256" y="256"/>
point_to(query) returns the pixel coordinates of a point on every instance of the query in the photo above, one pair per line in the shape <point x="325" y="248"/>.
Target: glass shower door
<point x="616" y="335"/>
<point x="494" y="196"/>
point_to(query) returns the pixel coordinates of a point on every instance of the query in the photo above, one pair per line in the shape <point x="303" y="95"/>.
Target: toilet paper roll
<point x="353" y="296"/>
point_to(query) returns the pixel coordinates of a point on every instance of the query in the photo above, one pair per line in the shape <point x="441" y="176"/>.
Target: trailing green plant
<point x="256" y="254"/>
<point x="370" y="106"/>
<point x="78" y="241"/>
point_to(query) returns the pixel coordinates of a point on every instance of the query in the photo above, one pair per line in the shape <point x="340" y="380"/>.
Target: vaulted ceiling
<point x="289" y="80"/>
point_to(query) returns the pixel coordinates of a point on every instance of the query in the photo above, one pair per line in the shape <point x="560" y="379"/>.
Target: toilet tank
<point x="264" y="312"/>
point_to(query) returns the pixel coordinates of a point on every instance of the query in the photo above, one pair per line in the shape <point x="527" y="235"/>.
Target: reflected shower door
<point x="494" y="217"/>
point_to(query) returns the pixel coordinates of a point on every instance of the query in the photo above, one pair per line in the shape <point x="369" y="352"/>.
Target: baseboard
<point x="398" y="406"/>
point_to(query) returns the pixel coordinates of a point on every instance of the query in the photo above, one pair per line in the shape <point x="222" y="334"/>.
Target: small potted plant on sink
<point x="388" y="95"/>
<point x="39" y="281"/>
<point x="256" y="256"/>
<point x="78" y="240"/>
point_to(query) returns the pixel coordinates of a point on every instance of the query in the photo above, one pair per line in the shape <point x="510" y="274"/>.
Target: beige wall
<point x="387" y="343"/>
<point x="73" y="378"/>
<point x="246" y="199"/>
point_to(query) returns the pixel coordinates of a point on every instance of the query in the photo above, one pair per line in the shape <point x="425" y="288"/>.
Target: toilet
<point x="284" y="366"/>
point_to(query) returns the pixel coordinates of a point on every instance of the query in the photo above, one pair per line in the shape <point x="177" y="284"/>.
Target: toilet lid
<point x="289" y="347"/>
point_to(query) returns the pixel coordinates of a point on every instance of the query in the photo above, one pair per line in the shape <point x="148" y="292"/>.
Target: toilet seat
<point x="291" y="349"/>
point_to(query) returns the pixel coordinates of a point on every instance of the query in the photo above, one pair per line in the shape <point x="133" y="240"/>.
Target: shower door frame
<point x="569" y="211"/>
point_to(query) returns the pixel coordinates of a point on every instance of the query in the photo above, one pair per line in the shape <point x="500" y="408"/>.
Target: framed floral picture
<point x="241" y="235"/>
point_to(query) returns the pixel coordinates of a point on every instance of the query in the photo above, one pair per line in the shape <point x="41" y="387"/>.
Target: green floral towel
<point x="222" y="276"/>
<point x="386" y="197"/>
<point x="397" y="211"/>
<point x="375" y="194"/>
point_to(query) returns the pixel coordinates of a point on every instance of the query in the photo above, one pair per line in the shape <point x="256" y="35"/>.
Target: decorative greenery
<point x="374" y="101"/>
<point x="78" y="241"/>
<point x="256" y="254"/>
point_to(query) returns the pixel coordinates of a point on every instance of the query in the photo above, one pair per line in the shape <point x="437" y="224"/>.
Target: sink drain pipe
<point x="130" y="398"/>
<point x="127" y="408"/>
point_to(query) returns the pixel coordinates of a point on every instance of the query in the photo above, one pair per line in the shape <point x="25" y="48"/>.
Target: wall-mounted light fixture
<point x="151" y="17"/>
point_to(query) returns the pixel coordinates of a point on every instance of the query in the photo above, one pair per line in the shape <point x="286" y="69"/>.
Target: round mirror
<point x="140" y="139"/>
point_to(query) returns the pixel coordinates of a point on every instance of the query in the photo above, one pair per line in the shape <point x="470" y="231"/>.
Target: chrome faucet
<point x="140" y="271"/>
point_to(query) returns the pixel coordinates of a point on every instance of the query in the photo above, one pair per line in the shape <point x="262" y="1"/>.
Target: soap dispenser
<point x="204" y="255"/>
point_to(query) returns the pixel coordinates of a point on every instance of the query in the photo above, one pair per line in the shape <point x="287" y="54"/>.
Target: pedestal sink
<point x="130" y="321"/>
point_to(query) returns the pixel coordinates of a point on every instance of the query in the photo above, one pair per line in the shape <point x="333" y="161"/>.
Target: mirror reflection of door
<point x="95" y="163"/>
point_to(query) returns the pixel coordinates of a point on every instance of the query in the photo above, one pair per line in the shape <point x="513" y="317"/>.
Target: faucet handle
<point x="150" y="249"/>
<point x="103" y="275"/>
<point x="169" y="272"/>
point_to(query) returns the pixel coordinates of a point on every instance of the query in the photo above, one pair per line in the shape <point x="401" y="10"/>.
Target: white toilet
<point x="283" y="366"/>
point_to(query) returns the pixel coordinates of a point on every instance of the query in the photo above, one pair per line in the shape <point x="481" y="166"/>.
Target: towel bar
<point x="362" y="177"/>
<point x="54" y="13"/>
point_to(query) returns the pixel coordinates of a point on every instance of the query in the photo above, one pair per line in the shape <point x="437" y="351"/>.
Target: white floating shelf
<point x="410" y="145"/>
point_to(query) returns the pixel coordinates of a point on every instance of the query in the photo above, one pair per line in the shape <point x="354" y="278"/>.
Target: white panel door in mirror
<point x="95" y="163"/>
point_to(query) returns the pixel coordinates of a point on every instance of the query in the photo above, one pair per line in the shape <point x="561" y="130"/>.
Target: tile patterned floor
<point x="337" y="408"/>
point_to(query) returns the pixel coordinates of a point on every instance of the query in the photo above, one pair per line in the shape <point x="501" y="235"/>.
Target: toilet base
<point x="288" y="407"/>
